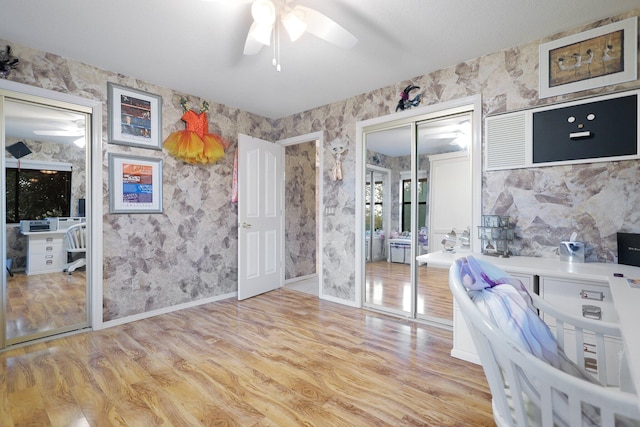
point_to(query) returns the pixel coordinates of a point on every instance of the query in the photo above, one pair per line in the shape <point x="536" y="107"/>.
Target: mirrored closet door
<point x="418" y="191"/>
<point x="444" y="214"/>
<point x="45" y="240"/>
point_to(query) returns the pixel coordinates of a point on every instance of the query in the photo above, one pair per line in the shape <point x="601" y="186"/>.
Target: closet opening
<point x="419" y="176"/>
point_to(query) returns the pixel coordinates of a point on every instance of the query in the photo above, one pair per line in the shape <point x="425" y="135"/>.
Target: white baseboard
<point x="340" y="301"/>
<point x="146" y="315"/>
<point x="469" y="357"/>
<point x="300" y="279"/>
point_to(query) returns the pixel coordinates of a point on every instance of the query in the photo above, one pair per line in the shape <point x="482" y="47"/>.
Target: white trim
<point x="94" y="164"/>
<point x="465" y="355"/>
<point x="319" y="138"/>
<point x="300" y="279"/>
<point x="165" y="310"/>
<point x="346" y="302"/>
<point x="294" y="140"/>
<point x="407" y="174"/>
<point x="38" y="164"/>
<point x="95" y="212"/>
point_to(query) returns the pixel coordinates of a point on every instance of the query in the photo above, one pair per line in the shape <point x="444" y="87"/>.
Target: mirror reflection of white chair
<point x="75" y="241"/>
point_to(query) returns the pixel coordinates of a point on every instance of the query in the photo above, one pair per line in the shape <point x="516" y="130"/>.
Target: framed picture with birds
<point x="598" y="57"/>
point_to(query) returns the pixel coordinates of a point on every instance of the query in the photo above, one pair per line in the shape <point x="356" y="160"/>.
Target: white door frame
<point x="318" y="137"/>
<point x="94" y="212"/>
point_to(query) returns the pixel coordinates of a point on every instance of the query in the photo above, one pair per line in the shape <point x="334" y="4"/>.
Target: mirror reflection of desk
<point x="45" y="251"/>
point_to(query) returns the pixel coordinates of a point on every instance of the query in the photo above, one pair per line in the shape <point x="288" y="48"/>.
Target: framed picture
<point x="599" y="57"/>
<point x="135" y="184"/>
<point x="135" y="117"/>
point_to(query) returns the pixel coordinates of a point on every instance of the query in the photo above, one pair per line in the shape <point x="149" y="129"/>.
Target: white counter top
<point x="43" y="233"/>
<point x="625" y="298"/>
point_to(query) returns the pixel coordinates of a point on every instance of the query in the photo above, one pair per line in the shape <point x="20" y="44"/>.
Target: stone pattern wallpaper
<point x="300" y="210"/>
<point x="189" y="251"/>
<point x="546" y="204"/>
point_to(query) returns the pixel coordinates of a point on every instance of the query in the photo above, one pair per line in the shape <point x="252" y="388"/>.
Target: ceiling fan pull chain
<point x="276" y="62"/>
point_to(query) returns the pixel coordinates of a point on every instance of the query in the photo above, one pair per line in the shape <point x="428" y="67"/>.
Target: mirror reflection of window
<point x="422" y="203"/>
<point x="37" y="193"/>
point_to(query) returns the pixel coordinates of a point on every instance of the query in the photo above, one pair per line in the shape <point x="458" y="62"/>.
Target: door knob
<point x="245" y="225"/>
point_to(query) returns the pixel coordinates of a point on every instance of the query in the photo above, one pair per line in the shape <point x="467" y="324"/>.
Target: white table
<point x="625" y="299"/>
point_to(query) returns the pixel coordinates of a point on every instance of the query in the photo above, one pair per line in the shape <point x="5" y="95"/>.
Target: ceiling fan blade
<point x="326" y="28"/>
<point x="251" y="45"/>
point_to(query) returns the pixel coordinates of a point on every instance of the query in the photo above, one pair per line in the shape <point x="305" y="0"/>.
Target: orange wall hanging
<point x="195" y="144"/>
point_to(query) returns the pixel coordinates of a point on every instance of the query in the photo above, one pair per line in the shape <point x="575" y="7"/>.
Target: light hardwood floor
<point x="43" y="302"/>
<point x="280" y="359"/>
<point x="388" y="284"/>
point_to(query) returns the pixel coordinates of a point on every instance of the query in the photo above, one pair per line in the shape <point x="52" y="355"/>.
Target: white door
<point x="260" y="216"/>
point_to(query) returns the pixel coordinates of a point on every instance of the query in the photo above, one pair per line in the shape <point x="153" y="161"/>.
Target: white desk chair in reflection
<point x="75" y="241"/>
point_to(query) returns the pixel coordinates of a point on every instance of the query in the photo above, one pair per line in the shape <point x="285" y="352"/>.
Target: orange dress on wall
<point x="195" y="144"/>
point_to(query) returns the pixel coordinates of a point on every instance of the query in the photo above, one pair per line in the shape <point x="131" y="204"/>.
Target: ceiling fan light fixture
<point x="263" y="12"/>
<point x="294" y="24"/>
<point x="262" y="33"/>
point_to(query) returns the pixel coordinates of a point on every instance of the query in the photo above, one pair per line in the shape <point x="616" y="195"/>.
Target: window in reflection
<point x="37" y="194"/>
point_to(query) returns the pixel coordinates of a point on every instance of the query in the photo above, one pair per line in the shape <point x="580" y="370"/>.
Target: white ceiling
<point x="35" y="122"/>
<point x="196" y="47"/>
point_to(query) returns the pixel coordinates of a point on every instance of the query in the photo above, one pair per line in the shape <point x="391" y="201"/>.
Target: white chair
<point x="529" y="391"/>
<point x="75" y="241"/>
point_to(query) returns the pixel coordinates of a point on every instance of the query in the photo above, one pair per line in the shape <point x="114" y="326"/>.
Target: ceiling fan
<point x="74" y="129"/>
<point x="24" y="120"/>
<point x="269" y="16"/>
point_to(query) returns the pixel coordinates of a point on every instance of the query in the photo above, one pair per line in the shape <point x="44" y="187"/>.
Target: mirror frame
<point x="94" y="209"/>
<point x="471" y="104"/>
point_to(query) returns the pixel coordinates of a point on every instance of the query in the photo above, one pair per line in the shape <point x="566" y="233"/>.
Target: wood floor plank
<point x="27" y="408"/>
<point x="98" y="409"/>
<point x="388" y="284"/>
<point x="280" y="359"/>
<point x="43" y="302"/>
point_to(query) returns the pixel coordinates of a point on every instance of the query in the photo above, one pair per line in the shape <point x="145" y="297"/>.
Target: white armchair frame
<point x="526" y="390"/>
